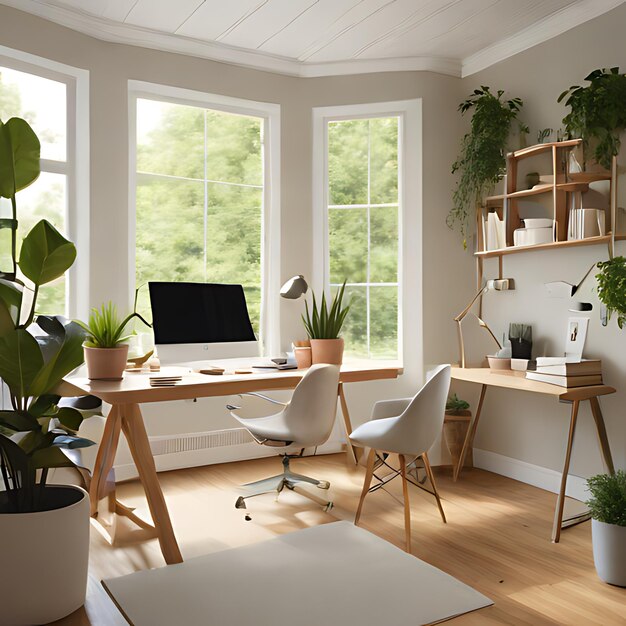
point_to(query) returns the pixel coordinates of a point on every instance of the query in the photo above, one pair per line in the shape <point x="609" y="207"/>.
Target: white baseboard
<point x="530" y="474"/>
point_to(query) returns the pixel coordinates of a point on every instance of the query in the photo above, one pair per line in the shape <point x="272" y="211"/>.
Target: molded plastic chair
<point x="305" y="421"/>
<point x="406" y="427"/>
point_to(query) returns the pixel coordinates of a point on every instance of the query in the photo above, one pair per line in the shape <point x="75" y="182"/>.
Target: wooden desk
<point x="126" y="395"/>
<point x="517" y="380"/>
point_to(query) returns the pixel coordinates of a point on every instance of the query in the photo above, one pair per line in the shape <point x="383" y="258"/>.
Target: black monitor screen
<point x="199" y="313"/>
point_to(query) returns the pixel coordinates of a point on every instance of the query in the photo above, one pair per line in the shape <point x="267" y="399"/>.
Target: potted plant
<point x="323" y="326"/>
<point x="106" y="350"/>
<point x="608" y="526"/>
<point x="598" y="113"/>
<point x="44" y="529"/>
<point x="455" y="425"/>
<point x="482" y="162"/>
<point x="612" y="287"/>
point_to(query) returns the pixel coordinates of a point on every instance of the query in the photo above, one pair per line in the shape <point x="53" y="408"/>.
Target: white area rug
<point x="327" y="575"/>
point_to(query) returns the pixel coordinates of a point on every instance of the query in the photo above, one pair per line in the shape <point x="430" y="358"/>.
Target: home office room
<point x="312" y="309"/>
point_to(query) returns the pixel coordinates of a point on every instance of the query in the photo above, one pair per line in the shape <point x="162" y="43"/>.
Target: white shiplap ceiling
<point x="328" y="37"/>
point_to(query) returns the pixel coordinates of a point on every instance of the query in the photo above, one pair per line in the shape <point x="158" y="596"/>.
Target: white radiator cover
<point x="173" y="444"/>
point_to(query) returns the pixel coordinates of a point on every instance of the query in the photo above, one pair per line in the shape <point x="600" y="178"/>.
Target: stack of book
<point x="559" y="371"/>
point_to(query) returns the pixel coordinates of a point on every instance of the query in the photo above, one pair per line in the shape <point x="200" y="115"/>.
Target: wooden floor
<point x="497" y="538"/>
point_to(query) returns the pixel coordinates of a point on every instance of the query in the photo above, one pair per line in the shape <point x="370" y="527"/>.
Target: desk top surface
<point x="135" y="387"/>
<point x="517" y="380"/>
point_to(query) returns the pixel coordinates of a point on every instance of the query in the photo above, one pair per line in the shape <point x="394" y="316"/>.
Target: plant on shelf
<point x="482" y="162"/>
<point x="455" y="405"/>
<point x="42" y="526"/>
<point x="607" y="506"/>
<point x="105" y="345"/>
<point x="612" y="287"/>
<point x="323" y="325"/>
<point x="598" y="112"/>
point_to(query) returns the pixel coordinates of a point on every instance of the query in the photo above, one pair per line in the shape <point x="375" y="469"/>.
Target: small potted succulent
<point x="608" y="526"/>
<point x="106" y="347"/>
<point x="323" y="325"/>
<point x="455" y="425"/>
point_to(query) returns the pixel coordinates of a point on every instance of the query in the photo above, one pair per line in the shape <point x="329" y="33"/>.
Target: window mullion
<point x="369" y="235"/>
<point x="206" y="199"/>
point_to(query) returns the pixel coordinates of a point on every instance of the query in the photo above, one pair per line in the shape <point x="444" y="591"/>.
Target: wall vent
<point x="171" y="444"/>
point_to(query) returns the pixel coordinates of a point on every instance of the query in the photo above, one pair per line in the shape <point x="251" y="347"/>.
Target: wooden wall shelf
<point x="589" y="241"/>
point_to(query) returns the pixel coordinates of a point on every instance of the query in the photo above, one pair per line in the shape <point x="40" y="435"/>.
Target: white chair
<point x="306" y="421"/>
<point x="408" y="428"/>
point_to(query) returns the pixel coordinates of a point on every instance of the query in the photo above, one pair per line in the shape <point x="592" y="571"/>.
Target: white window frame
<point x="270" y="227"/>
<point x="75" y="167"/>
<point x="409" y="112"/>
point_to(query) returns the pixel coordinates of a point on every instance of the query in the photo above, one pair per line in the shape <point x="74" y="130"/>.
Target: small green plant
<point x="598" y="111"/>
<point x="543" y="134"/>
<point x="608" y="498"/>
<point x="105" y="329"/>
<point x="455" y="405"/>
<point x="322" y="322"/>
<point x="482" y="162"/>
<point x="612" y="287"/>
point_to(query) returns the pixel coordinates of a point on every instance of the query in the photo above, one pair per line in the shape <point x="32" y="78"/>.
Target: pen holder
<point x="303" y="356"/>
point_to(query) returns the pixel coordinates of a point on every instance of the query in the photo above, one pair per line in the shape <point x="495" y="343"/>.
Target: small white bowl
<point x="519" y="365"/>
<point x="499" y="362"/>
<point x="538" y="222"/>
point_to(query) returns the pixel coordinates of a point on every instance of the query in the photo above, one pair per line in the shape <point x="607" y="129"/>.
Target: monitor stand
<point x="177" y="353"/>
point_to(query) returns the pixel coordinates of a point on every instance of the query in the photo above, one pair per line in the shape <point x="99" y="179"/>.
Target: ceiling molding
<point x="115" y="32"/>
<point x="539" y="32"/>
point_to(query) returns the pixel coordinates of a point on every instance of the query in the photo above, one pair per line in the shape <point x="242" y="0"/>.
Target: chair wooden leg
<point x="407" y="507"/>
<point x="369" y="472"/>
<point x="431" y="477"/>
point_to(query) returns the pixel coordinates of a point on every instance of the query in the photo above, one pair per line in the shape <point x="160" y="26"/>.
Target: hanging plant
<point x="612" y="287"/>
<point x="482" y="162"/>
<point x="598" y="112"/>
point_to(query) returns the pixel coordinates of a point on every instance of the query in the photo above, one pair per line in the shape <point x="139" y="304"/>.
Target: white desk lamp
<point x="294" y="288"/>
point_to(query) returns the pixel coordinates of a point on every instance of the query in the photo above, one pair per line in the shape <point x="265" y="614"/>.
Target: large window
<point x="43" y="103"/>
<point x="204" y="187"/>
<point x="363" y="210"/>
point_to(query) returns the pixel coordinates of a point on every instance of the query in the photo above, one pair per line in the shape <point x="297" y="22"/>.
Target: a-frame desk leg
<point x="354" y="453"/>
<point x="471" y="432"/>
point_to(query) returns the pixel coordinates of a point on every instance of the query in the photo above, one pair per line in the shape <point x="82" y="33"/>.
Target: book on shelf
<point x="588" y="367"/>
<point x="494" y="234"/>
<point x="569" y="382"/>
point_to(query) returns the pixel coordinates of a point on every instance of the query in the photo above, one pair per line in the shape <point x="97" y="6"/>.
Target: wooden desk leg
<point x="135" y="432"/>
<point x="105" y="457"/>
<point x="354" y="453"/>
<point x="560" y="502"/>
<point x="471" y="431"/>
<point x="602" y="436"/>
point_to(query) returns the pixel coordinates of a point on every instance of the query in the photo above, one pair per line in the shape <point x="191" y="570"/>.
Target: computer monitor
<point x="200" y="321"/>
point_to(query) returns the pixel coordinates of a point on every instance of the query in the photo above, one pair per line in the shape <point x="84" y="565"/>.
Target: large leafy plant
<point x="34" y="358"/>
<point x="612" y="287"/>
<point x="598" y="112"/>
<point x="323" y="322"/>
<point x="608" y="498"/>
<point x="481" y="163"/>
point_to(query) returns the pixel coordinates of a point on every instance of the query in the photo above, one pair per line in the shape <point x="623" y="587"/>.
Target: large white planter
<point x="43" y="567"/>
<point x="609" y="552"/>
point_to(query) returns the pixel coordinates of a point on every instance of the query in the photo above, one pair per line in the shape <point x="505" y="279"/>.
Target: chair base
<point x="277" y="483"/>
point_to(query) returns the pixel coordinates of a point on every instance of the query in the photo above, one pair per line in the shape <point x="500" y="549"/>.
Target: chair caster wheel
<point x="241" y="503"/>
<point x="248" y="517"/>
<point x="328" y="507"/>
<point x="323" y="484"/>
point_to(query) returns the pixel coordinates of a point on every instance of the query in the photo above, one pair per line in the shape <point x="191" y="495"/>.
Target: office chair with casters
<point x="306" y="421"/>
<point x="408" y="428"/>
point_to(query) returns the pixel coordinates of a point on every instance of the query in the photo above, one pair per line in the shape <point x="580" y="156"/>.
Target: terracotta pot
<point x="44" y="558"/>
<point x="327" y="351"/>
<point x="106" y="363"/>
<point x="303" y="356"/>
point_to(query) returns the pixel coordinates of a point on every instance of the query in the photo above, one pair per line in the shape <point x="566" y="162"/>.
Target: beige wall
<point x="519" y="425"/>
<point x="447" y="270"/>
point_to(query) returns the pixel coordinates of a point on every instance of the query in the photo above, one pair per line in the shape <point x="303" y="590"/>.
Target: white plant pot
<point x="609" y="552"/>
<point x="45" y="555"/>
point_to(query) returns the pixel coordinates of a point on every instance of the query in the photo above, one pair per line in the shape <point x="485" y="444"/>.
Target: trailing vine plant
<point x="598" y="112"/>
<point x="481" y="163"/>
